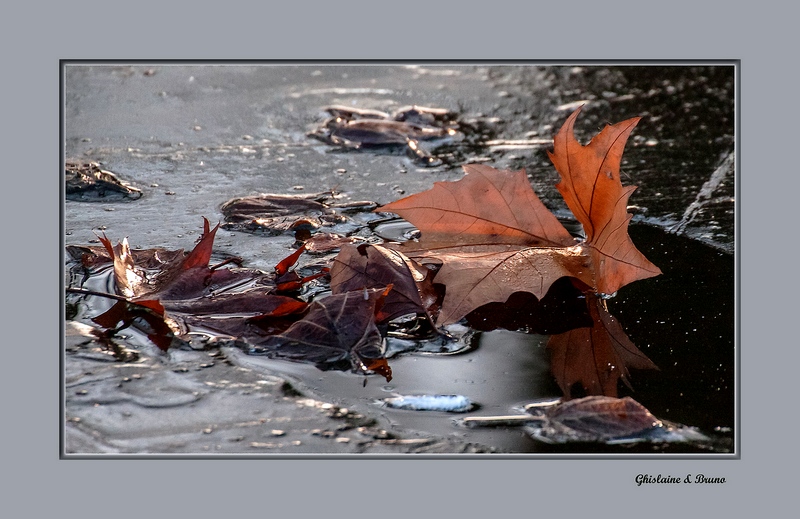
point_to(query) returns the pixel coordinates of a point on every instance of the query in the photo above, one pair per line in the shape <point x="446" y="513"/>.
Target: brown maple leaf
<point x="493" y="236"/>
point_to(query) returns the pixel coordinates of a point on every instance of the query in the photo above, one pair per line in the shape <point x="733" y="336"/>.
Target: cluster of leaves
<point x="169" y="293"/>
<point x="484" y="239"/>
<point x="406" y="128"/>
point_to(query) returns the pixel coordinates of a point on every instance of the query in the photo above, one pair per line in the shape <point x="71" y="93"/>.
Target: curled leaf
<point x="147" y="316"/>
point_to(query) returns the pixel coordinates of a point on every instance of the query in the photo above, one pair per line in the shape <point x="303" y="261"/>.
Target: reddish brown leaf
<point x="147" y="316"/>
<point x="250" y="303"/>
<point x="286" y="263"/>
<point x="292" y="281"/>
<point x="127" y="278"/>
<point x="199" y="296"/>
<point x="248" y="316"/>
<point x="278" y="214"/>
<point x="596" y="419"/>
<point x="201" y="254"/>
<point x="597" y="357"/>
<point x="326" y="242"/>
<point x="172" y="275"/>
<point x="379" y="366"/>
<point x="492" y="236"/>
<point x="487" y="206"/>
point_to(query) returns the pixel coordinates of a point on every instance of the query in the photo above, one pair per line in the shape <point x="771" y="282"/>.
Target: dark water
<point x="193" y="137"/>
<point x="684" y="321"/>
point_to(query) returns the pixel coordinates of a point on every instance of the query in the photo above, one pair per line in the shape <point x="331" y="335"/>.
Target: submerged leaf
<point x="302" y="215"/>
<point x="337" y="328"/>
<point x="147" y="316"/>
<point x="242" y="302"/>
<point x="595" y="419"/>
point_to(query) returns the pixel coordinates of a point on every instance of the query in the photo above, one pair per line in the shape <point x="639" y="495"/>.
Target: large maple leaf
<point x="493" y="236"/>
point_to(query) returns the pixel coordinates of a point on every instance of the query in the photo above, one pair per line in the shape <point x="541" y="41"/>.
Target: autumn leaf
<point x="147" y="316"/>
<point x="303" y="215"/>
<point x="596" y="357"/>
<point x="493" y="237"/>
<point x="184" y="291"/>
<point x="283" y="266"/>
<point x="247" y="316"/>
<point x="323" y="242"/>
<point x="486" y="207"/>
<point x="175" y="276"/>
<point x="252" y="302"/>
<point x="95" y="257"/>
<point x="126" y="277"/>
<point x="273" y="206"/>
<point x="88" y="182"/>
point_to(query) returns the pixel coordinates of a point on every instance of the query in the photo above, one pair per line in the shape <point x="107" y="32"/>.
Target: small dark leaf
<point x="87" y="182"/>
<point x="147" y="316"/>
<point x="596" y="419"/>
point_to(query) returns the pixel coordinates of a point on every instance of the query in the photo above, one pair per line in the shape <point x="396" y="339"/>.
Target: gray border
<point x="761" y="36"/>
